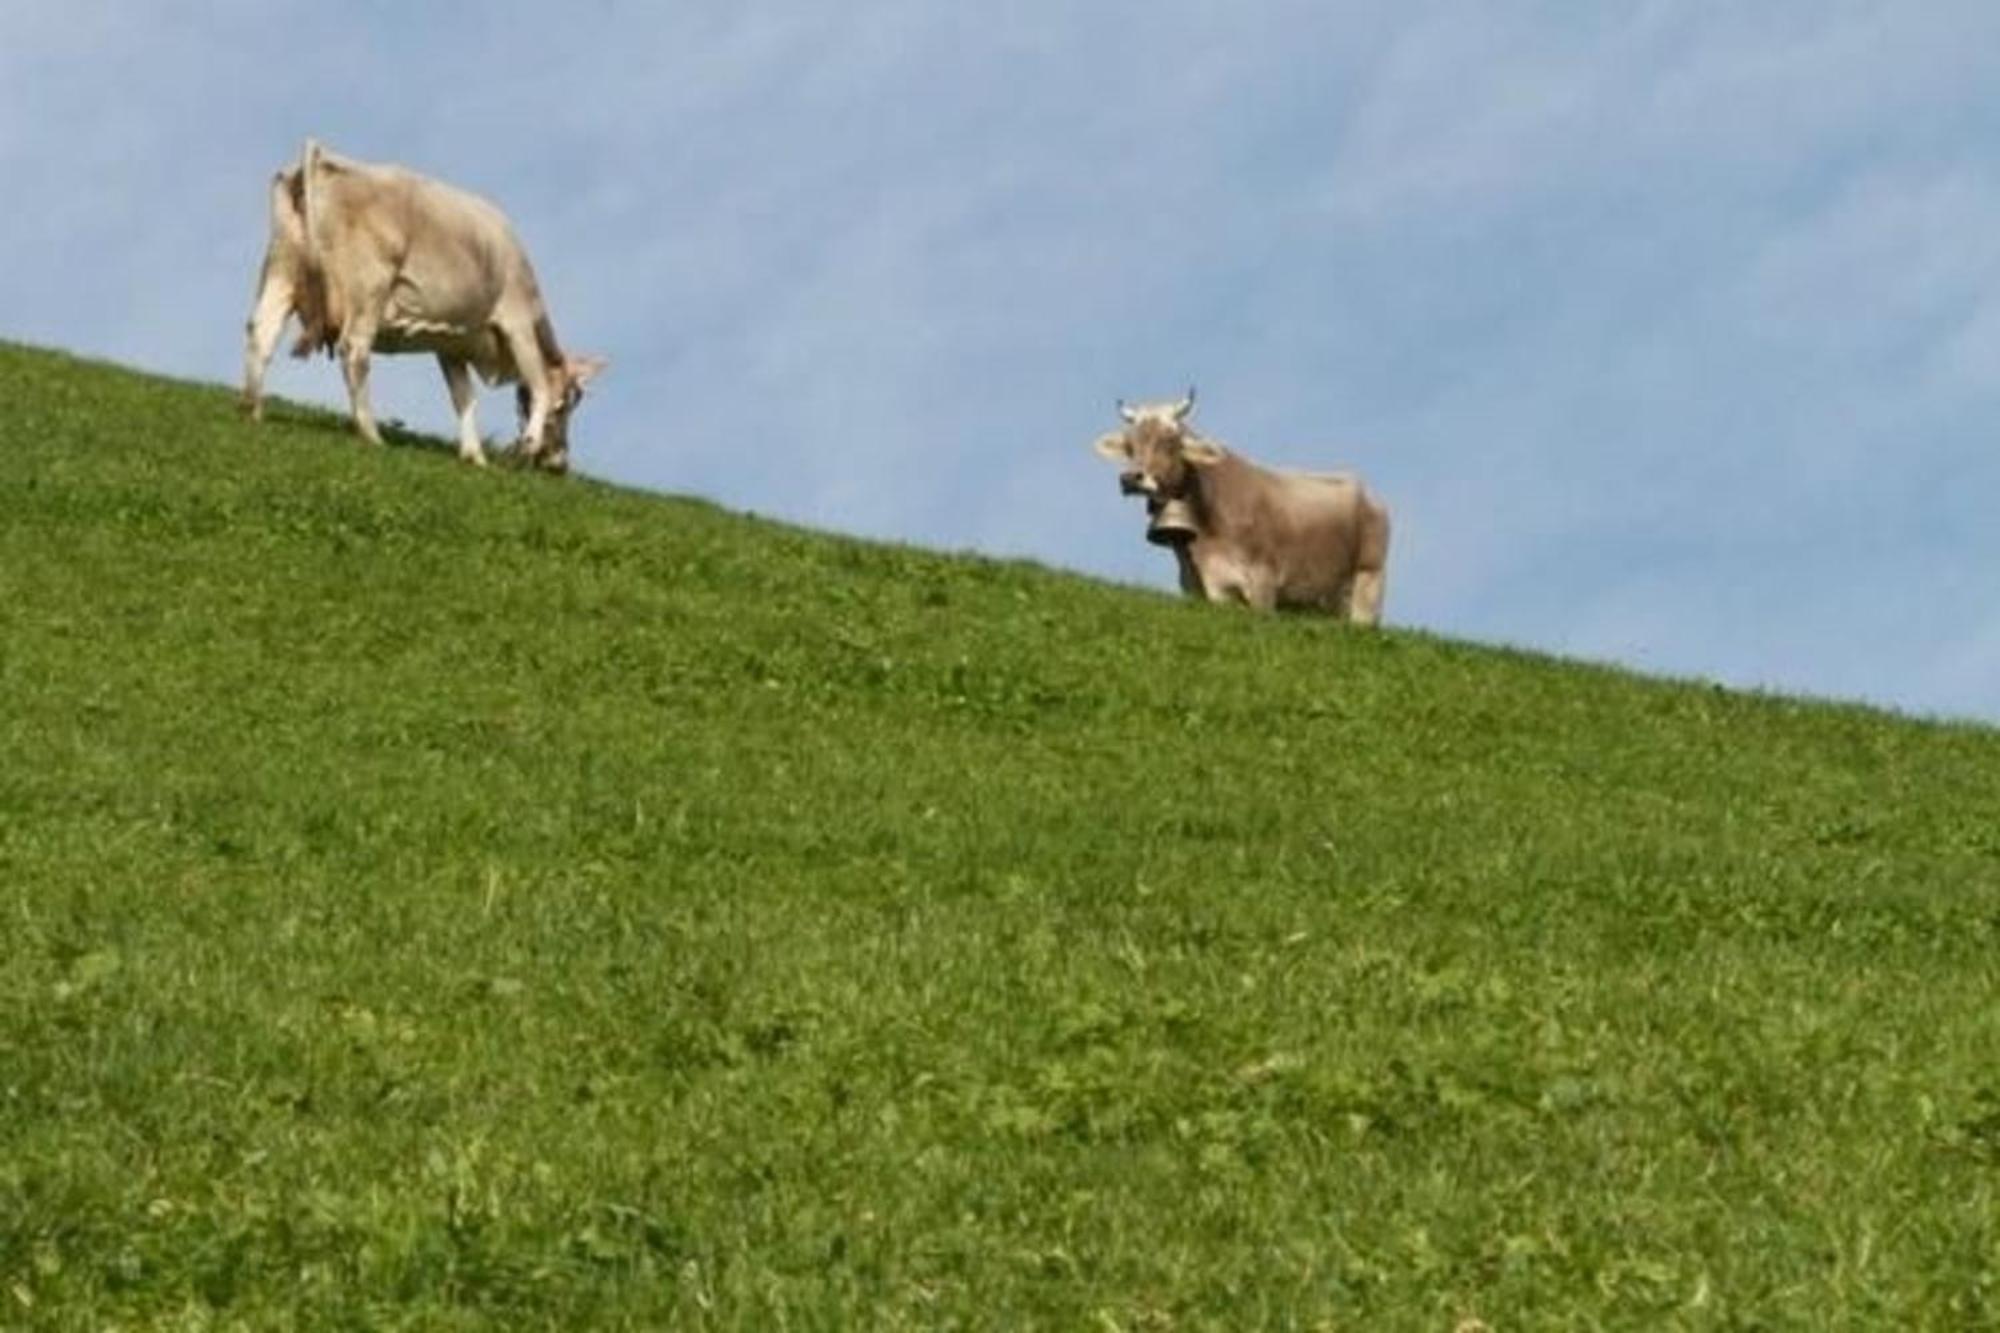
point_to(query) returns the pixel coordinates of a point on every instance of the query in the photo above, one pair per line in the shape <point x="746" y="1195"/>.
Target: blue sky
<point x="1669" y="331"/>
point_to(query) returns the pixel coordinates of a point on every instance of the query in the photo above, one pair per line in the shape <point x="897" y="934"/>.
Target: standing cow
<point x="379" y="259"/>
<point x="1297" y="540"/>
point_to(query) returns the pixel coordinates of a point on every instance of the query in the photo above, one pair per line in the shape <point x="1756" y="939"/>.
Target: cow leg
<point x="1190" y="573"/>
<point x="465" y="402"/>
<point x="538" y="420"/>
<point x="1258" y="594"/>
<point x="1213" y="573"/>
<point x="1364" y="597"/>
<point x="266" y="323"/>
<point x="534" y="373"/>
<point x="356" y="340"/>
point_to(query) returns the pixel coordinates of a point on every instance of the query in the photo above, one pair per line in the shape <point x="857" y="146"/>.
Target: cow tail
<point x="309" y="169"/>
<point x="545" y="342"/>
<point x="322" y="322"/>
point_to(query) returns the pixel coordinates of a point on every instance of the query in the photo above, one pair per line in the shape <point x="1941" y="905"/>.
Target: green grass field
<point x="441" y="899"/>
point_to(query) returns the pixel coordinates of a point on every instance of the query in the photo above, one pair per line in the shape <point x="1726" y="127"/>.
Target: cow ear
<point x="1201" y="452"/>
<point x="584" y="369"/>
<point x="1114" y="446"/>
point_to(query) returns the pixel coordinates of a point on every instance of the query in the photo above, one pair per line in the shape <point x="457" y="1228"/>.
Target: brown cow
<point x="379" y="259"/>
<point x="1308" y="541"/>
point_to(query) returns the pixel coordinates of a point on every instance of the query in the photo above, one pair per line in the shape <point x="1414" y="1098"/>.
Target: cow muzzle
<point x="1170" y="522"/>
<point x="1132" y="483"/>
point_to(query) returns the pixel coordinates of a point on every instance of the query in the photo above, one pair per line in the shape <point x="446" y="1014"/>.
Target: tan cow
<point x="379" y="259"/>
<point x="1296" y="540"/>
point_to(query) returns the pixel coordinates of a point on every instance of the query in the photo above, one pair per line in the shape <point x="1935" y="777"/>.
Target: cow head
<point x="1158" y="453"/>
<point x="566" y="381"/>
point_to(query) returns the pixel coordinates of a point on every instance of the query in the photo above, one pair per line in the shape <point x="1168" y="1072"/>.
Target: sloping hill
<point x="441" y="899"/>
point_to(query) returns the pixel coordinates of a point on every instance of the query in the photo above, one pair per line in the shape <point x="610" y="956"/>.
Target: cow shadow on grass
<point x="395" y="435"/>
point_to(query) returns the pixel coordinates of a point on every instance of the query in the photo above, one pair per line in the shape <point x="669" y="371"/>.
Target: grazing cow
<point x="379" y="259"/>
<point x="1297" y="540"/>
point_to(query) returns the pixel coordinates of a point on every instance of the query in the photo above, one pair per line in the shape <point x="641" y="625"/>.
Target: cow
<point x="1308" y="541"/>
<point x="376" y="258"/>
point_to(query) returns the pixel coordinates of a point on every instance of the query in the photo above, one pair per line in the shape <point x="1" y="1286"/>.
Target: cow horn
<point x="1185" y="405"/>
<point x="1130" y="415"/>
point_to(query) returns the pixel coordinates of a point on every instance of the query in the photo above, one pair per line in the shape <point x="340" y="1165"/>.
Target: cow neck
<point x="1212" y="489"/>
<point x="545" y="340"/>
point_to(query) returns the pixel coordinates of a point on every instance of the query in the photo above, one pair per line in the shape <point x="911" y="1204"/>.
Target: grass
<point x="441" y="899"/>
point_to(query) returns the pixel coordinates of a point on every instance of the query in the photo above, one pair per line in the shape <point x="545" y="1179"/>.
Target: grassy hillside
<point x="443" y="899"/>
